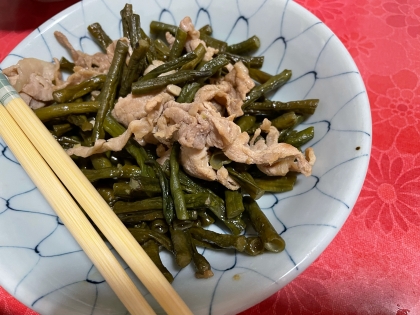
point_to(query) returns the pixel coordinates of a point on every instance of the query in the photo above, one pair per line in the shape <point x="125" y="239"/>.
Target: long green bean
<point x="168" y="66"/>
<point x="109" y="89"/>
<point x="273" y="83"/>
<point x="272" y="240"/>
<point x="181" y="247"/>
<point x="160" y="27"/>
<point x="62" y="110"/>
<point x="70" y="93"/>
<point x="306" y="107"/>
<point x="99" y="35"/>
<point x="181" y="77"/>
<point x="135" y="66"/>
<point x="151" y="248"/>
<point x="126" y="171"/>
<point x="237" y="242"/>
<point x="176" y="190"/>
<point x="178" y="44"/>
<point x="247" y="46"/>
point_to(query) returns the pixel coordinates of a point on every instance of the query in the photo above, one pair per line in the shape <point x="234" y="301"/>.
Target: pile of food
<point x="176" y="133"/>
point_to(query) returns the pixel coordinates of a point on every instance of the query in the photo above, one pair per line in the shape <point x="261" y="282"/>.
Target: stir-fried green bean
<point x="254" y="246"/>
<point x="206" y="29"/>
<point x="168" y="66"/>
<point x="151" y="248"/>
<point x="247" y="46"/>
<point x="80" y="121"/>
<point x="214" y="64"/>
<point x="159" y="226"/>
<point x="277" y="184"/>
<point x="188" y="92"/>
<point x="273" y="83"/>
<point x="202" y="266"/>
<point x="259" y="75"/>
<point x="60" y="129"/>
<point x="237" y="242"/>
<point x="180" y="77"/>
<point x="272" y="240"/>
<point x="199" y="52"/>
<point x="181" y="247"/>
<point x="285" y="121"/>
<point x="99" y="35"/>
<point x="246" y="122"/>
<point x="220" y="45"/>
<point x="126" y="171"/>
<point x="143" y="235"/>
<point x="70" y="93"/>
<point x="100" y="161"/>
<point x="234" y="204"/>
<point x="62" y="110"/>
<point x="176" y="190"/>
<point x="300" y="138"/>
<point x="252" y="62"/>
<point x="135" y="66"/>
<point x="305" y="107"/>
<point x="247" y="183"/>
<point x="109" y="89"/>
<point x="66" y="65"/>
<point x="178" y="44"/>
<point x="160" y="27"/>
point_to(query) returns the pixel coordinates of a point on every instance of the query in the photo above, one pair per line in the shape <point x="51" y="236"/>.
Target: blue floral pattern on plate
<point x="42" y="265"/>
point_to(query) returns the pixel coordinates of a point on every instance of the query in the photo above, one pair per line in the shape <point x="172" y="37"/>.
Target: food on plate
<point x="176" y="132"/>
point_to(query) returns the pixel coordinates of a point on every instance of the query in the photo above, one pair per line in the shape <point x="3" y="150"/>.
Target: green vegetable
<point x="277" y="184"/>
<point x="237" y="242"/>
<point x="135" y="66"/>
<point x="70" y="93"/>
<point x="305" y="107"/>
<point x="247" y="46"/>
<point x="109" y="89"/>
<point x="178" y="45"/>
<point x="151" y="248"/>
<point x="180" y="77"/>
<point x="176" y="190"/>
<point x="272" y="240"/>
<point x="62" y="110"/>
<point x="181" y="247"/>
<point x="234" y="204"/>
<point x="168" y="66"/>
<point x="99" y="35"/>
<point x="272" y="83"/>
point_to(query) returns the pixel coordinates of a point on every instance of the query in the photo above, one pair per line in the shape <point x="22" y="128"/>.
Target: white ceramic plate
<point x="41" y="264"/>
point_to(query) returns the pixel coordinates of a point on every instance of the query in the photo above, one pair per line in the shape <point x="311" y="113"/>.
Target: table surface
<point x="372" y="266"/>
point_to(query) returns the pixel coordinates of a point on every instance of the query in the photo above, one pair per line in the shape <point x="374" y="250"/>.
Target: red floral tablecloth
<point x="373" y="265"/>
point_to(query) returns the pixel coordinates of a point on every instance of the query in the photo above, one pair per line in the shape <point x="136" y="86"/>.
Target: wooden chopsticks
<point x="32" y="143"/>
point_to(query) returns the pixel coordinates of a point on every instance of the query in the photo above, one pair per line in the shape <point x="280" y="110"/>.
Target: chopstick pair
<point x="41" y="156"/>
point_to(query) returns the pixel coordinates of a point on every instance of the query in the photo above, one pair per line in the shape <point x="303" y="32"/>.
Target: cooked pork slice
<point x="193" y="39"/>
<point x="80" y="75"/>
<point x="240" y="80"/>
<point x="99" y="61"/>
<point x="163" y="153"/>
<point x="196" y="163"/>
<point x="224" y="178"/>
<point x="268" y="157"/>
<point x="230" y="91"/>
<point x="34" y="77"/>
<point x="148" y="106"/>
<point x="310" y="156"/>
